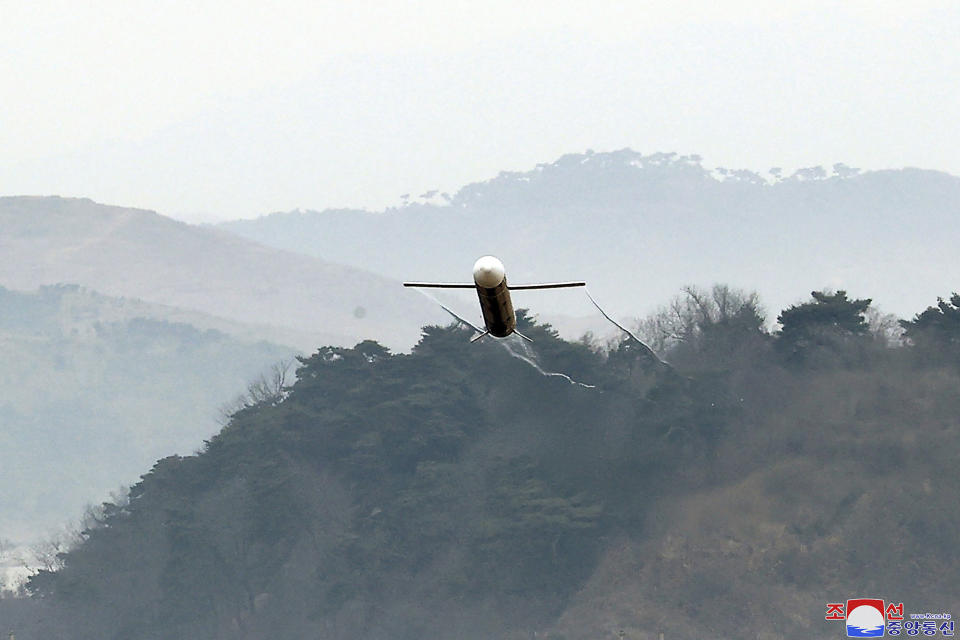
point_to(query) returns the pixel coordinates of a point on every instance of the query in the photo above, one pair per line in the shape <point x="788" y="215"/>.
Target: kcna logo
<point x="869" y="618"/>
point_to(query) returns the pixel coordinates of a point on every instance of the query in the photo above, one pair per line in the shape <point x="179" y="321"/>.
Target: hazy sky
<point x="212" y="110"/>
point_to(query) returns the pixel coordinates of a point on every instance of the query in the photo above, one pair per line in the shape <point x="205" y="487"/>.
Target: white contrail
<point x="532" y="363"/>
<point x="650" y="352"/>
<point x="502" y="342"/>
<point x="452" y="312"/>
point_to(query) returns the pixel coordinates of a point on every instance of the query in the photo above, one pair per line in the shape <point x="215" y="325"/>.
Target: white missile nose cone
<point x="488" y="272"/>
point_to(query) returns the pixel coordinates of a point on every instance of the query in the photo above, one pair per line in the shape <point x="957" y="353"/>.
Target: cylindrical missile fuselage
<point x="491" y="281"/>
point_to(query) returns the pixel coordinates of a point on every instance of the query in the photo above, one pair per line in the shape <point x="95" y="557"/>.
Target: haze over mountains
<point x="173" y="323"/>
<point x="135" y="253"/>
<point x="94" y="389"/>
<point x="172" y="320"/>
<point x="638" y="227"/>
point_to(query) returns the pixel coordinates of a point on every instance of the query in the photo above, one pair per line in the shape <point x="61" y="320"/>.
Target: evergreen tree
<point x="935" y="333"/>
<point x="823" y="329"/>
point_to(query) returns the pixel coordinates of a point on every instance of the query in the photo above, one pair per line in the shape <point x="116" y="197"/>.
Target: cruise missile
<point x="493" y="291"/>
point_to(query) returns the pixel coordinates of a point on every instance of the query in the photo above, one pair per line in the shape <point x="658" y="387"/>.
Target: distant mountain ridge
<point x="638" y="227"/>
<point x="138" y="253"/>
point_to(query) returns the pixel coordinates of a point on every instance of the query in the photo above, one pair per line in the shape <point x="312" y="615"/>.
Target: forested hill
<point x="639" y="226"/>
<point x="456" y="492"/>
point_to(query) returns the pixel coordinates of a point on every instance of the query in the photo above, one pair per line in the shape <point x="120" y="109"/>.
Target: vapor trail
<point x="525" y="358"/>
<point x="650" y="352"/>
<point x="532" y="363"/>
<point x="451" y="312"/>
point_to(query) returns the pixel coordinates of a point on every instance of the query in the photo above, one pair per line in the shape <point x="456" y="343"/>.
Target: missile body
<point x="495" y="302"/>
